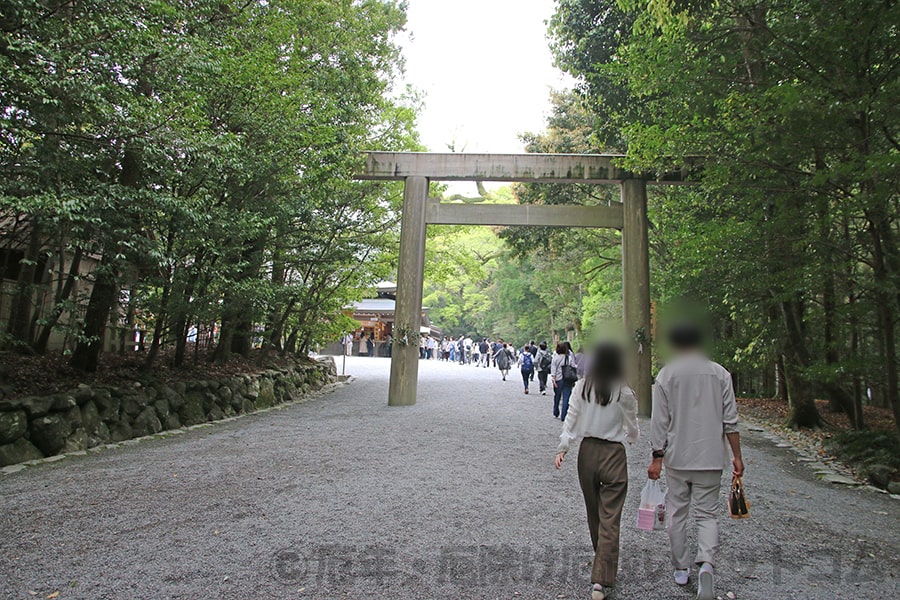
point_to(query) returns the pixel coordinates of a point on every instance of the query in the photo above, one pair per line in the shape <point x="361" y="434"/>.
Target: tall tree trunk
<point x="238" y="315"/>
<point x="86" y="356"/>
<point x="781" y="392"/>
<point x="883" y="249"/>
<point x="158" y="328"/>
<point x="858" y="414"/>
<point x="40" y="345"/>
<point x="803" y="411"/>
<point x="23" y="298"/>
<point x="103" y="298"/>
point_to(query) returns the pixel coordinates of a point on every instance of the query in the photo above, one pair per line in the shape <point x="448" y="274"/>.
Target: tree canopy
<point x="193" y="160"/>
<point x="791" y="238"/>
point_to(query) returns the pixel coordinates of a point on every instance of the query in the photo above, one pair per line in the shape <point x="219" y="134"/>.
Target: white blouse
<point x="615" y="422"/>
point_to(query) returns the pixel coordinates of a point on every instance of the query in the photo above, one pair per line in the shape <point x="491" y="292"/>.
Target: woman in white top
<point x="602" y="411"/>
<point x="562" y="385"/>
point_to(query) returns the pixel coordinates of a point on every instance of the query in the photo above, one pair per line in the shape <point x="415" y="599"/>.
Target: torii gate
<point x="629" y="216"/>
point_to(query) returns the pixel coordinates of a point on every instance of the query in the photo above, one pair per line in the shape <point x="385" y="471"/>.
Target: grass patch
<point x="866" y="448"/>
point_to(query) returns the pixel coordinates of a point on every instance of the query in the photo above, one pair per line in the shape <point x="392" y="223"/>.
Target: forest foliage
<point x="791" y="239"/>
<point x="193" y="161"/>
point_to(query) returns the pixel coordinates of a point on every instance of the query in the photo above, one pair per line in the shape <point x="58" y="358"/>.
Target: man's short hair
<point x="686" y="336"/>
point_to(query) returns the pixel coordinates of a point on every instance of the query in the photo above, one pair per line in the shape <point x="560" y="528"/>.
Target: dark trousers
<point x="542" y="379"/>
<point x="561" y="395"/>
<point x="526" y="377"/>
<point x="603" y="475"/>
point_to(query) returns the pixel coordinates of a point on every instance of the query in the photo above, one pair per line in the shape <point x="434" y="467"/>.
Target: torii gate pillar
<point x="410" y="279"/>
<point x="636" y="290"/>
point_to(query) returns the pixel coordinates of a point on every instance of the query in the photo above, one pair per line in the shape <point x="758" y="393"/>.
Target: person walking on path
<point x="580" y="362"/>
<point x="362" y="343"/>
<point x="526" y="365"/>
<point x="603" y="414"/>
<point x="503" y="360"/>
<point x="347" y="344"/>
<point x="694" y="421"/>
<point x="532" y="347"/>
<point x="562" y="369"/>
<point x="542" y="362"/>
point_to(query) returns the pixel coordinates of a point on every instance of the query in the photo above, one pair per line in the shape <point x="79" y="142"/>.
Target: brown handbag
<point x="737" y="501"/>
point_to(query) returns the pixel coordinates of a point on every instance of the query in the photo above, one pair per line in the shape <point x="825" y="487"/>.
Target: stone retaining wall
<point x="37" y="427"/>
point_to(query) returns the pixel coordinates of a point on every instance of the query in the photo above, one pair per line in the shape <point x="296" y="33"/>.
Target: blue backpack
<point x="527" y="362"/>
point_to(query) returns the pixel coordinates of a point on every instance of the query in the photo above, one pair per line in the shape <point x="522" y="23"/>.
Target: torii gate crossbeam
<point x="630" y="216"/>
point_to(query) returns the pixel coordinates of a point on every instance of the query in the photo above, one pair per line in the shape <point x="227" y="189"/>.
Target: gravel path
<point x="455" y="497"/>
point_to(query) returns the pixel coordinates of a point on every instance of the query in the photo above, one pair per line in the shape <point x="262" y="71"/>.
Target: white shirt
<point x="693" y="409"/>
<point x="557" y="363"/>
<point x="615" y="422"/>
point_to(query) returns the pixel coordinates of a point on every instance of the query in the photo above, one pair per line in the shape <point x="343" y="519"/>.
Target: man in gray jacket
<point x="694" y="422"/>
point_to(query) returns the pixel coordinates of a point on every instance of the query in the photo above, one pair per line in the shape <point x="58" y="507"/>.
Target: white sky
<point x="485" y="69"/>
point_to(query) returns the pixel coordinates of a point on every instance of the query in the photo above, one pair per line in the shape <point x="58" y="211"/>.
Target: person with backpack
<point x="543" y="361"/>
<point x="485" y="350"/>
<point x="526" y="365"/>
<point x="603" y="414"/>
<point x="565" y="376"/>
<point x="503" y="360"/>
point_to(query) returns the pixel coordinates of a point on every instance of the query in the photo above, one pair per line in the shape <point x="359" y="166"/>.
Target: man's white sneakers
<point x="681" y="576"/>
<point x="706" y="586"/>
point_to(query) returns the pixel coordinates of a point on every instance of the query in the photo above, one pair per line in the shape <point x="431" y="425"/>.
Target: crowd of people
<point x="557" y="370"/>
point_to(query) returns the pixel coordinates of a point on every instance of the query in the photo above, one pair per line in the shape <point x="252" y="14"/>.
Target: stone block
<point x="121" y="431"/>
<point x="266" y="396"/>
<point x="77" y="441"/>
<point x="146" y="423"/>
<point x="161" y="406"/>
<point x="83" y="394"/>
<point x="13" y="425"/>
<point x="19" y="451"/>
<point x="49" y="433"/>
<point x="192" y="412"/>
<point x="133" y="403"/>
<point x="225" y="394"/>
<point x="107" y="405"/>
<point x="215" y="414"/>
<point x="37" y="406"/>
<point x="880" y="475"/>
<point x="172" y="422"/>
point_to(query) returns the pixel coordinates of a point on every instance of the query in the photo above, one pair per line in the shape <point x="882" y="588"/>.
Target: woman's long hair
<point x="604" y="372"/>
